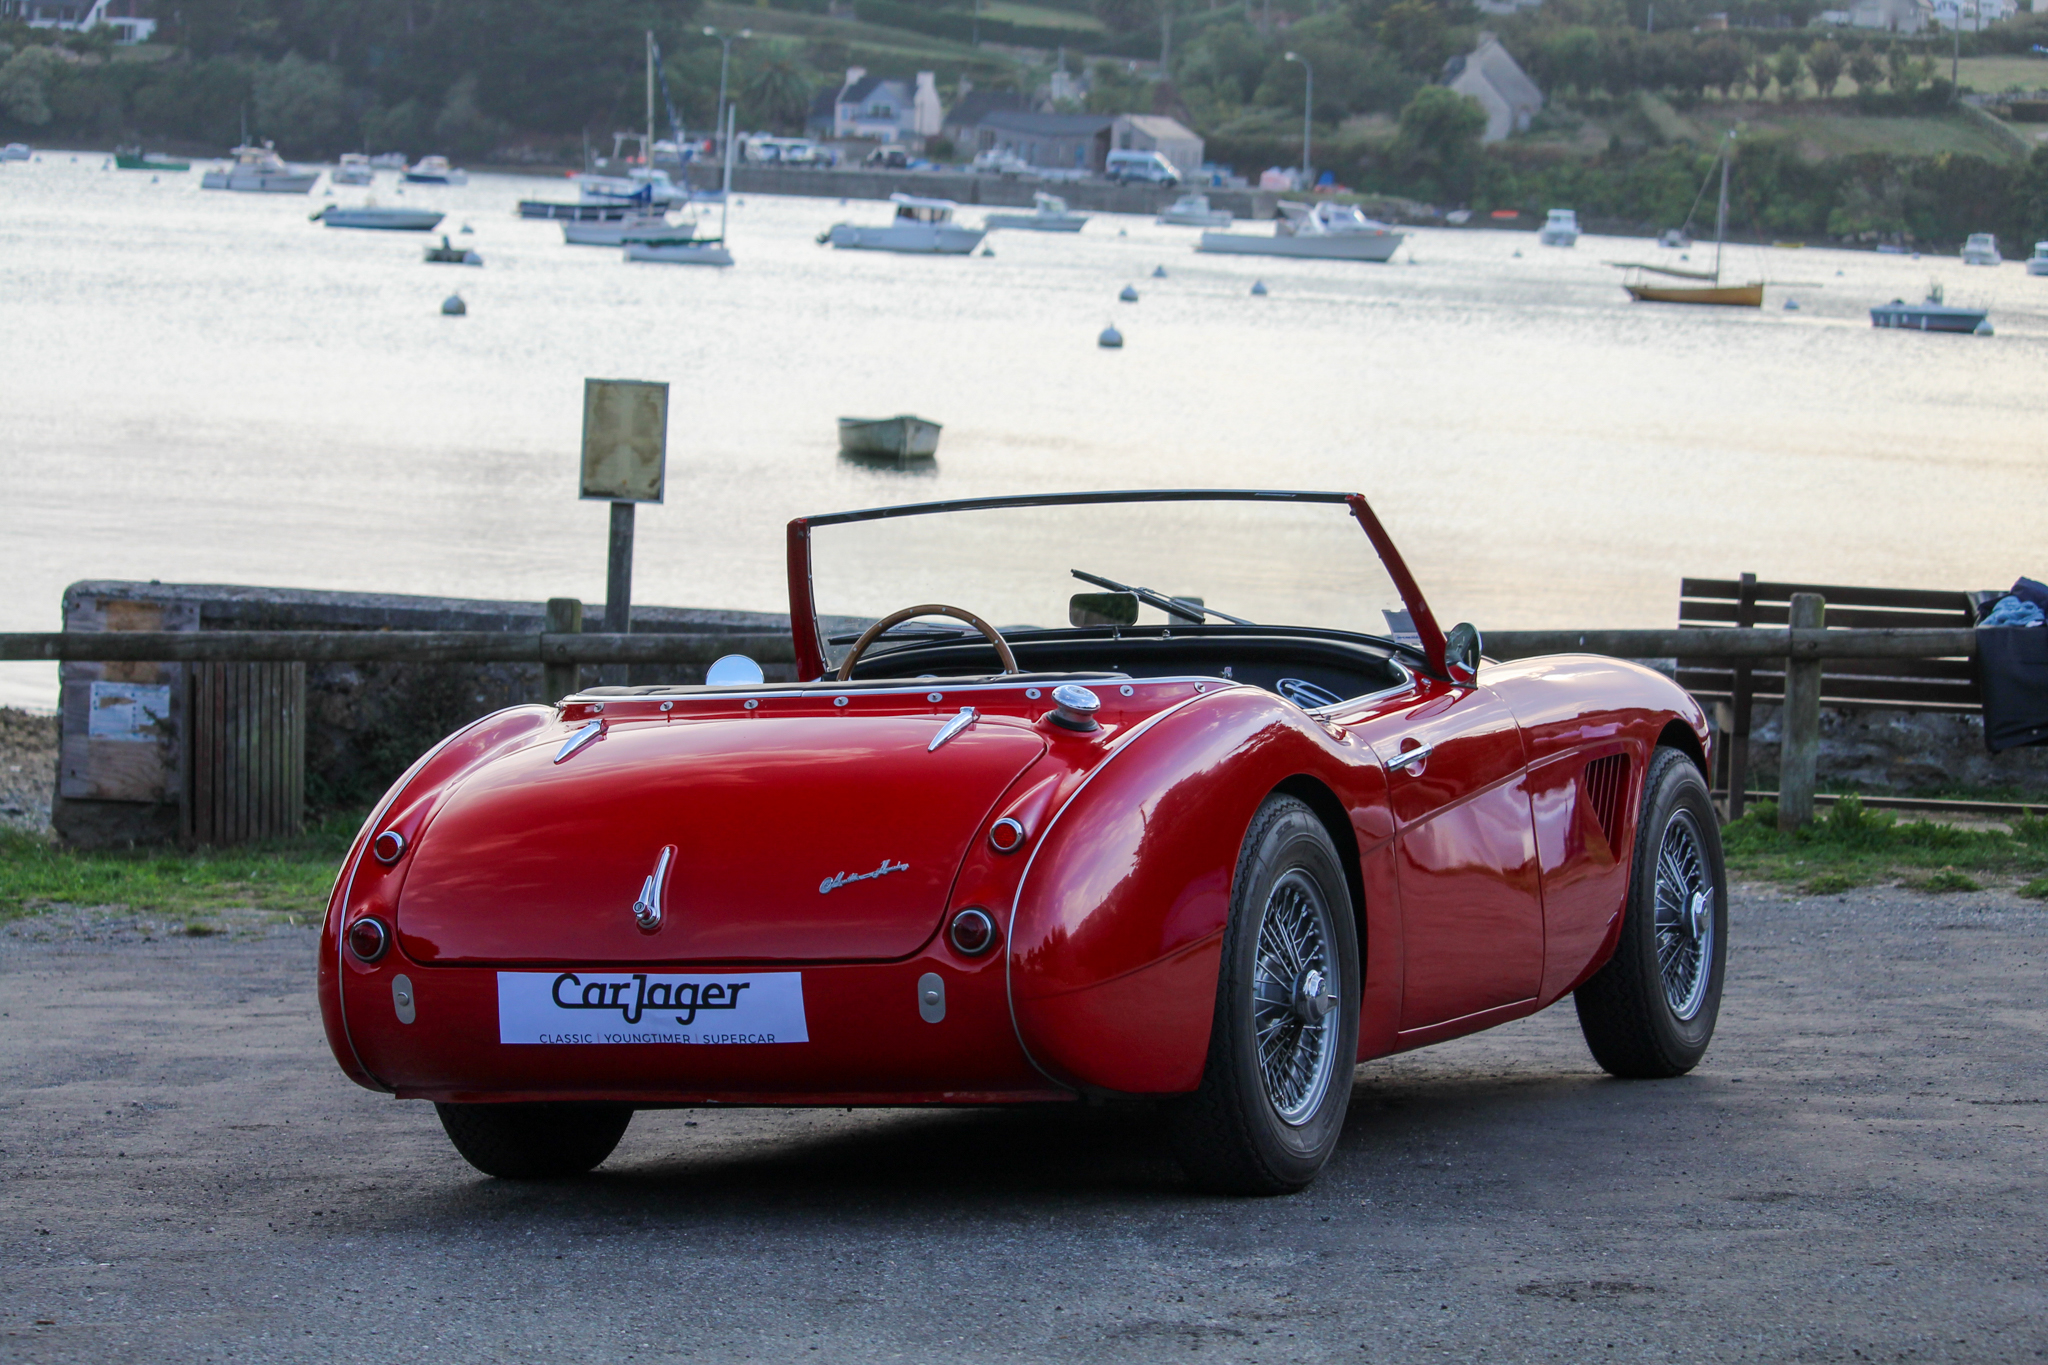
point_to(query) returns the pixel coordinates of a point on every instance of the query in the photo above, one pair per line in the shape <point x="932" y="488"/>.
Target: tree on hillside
<point x="1825" y="62"/>
<point x="1865" y="70"/>
<point x="1760" y="77"/>
<point x="776" y="93"/>
<point x="1114" y="89"/>
<point x="1785" y="71"/>
<point x="25" y="83"/>
<point x="1126" y="16"/>
<point x="462" y="128"/>
<point x="1571" y="57"/>
<point x="1437" y="146"/>
<point x="1907" y="72"/>
<point x="1723" y="64"/>
<point x="301" y="104"/>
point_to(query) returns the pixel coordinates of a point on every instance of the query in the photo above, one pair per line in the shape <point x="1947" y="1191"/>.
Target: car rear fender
<point x="365" y="885"/>
<point x="1116" y="928"/>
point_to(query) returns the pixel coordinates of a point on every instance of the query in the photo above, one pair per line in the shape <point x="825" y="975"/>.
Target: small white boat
<point x="637" y="227"/>
<point x="259" y="170"/>
<point x="355" y="169"/>
<point x="681" y="251"/>
<point x="2037" y="264"/>
<point x="435" y="170"/>
<point x="921" y="227"/>
<point x="1675" y="239"/>
<point x="1561" y="228"/>
<point x="653" y="185"/>
<point x="1981" y="249"/>
<point x="1192" y="210"/>
<point x="378" y="217"/>
<point x="1050" y="214"/>
<point x="902" y="437"/>
<point x="1324" y="231"/>
<point x="16" y="151"/>
<point x="388" y="161"/>
<point x="446" y="254"/>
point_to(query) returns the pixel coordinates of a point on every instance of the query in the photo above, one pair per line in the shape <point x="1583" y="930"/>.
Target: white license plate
<point x="585" y="1007"/>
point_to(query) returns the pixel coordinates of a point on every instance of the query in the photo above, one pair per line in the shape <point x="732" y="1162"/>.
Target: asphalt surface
<point x="1856" y="1173"/>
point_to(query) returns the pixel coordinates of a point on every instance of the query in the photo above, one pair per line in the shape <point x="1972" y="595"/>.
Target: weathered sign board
<point x="625" y="440"/>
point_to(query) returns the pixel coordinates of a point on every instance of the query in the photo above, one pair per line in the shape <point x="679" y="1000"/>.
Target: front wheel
<point x="534" y="1141"/>
<point x="1284" y="1042"/>
<point x="1650" y="1012"/>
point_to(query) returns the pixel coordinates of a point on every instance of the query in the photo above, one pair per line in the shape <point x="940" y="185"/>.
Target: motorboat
<point x="2037" y="264"/>
<point x="1193" y="210"/>
<point x="608" y="211"/>
<point x="1049" y="214"/>
<point x="1932" y="315"/>
<point x="135" y="159"/>
<point x="259" y="170"/>
<point x="355" y="169"/>
<point x="388" y="161"/>
<point x="379" y="217"/>
<point x="637" y="227"/>
<point x="1981" y="248"/>
<point x="445" y="254"/>
<point x="1323" y="231"/>
<point x="435" y="170"/>
<point x="651" y="183"/>
<point x="921" y="226"/>
<point x="903" y="437"/>
<point x="16" y="151"/>
<point x="1561" y="228"/>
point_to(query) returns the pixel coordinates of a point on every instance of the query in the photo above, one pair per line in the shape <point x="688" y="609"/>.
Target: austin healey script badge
<point x="837" y="880"/>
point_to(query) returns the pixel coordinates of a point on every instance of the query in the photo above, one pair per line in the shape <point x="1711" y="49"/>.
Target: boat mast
<point x="650" y="101"/>
<point x="1721" y="212"/>
<point x="725" y="198"/>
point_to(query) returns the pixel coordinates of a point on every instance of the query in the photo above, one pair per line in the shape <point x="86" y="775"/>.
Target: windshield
<point x="1264" y="561"/>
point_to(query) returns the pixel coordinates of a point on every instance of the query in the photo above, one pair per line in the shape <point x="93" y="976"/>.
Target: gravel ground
<point x="28" y="769"/>
<point x="1856" y="1173"/>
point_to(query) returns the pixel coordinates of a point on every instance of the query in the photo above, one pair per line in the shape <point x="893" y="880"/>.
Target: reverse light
<point x="368" y="939"/>
<point x="972" y="931"/>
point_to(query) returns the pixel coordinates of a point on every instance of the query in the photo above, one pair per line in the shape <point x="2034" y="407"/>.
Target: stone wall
<point x="1900" y="753"/>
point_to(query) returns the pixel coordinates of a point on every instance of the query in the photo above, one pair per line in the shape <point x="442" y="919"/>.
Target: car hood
<point x="806" y="838"/>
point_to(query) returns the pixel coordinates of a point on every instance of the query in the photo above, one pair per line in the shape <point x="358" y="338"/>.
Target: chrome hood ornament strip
<point x="584" y="734"/>
<point x="647" y="911"/>
<point x="968" y="715"/>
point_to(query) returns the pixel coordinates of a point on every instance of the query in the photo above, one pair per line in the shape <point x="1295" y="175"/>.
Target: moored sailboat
<point x="1710" y="289"/>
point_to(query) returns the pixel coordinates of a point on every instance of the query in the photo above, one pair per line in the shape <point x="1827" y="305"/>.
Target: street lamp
<point x="1308" y="105"/>
<point x="725" y="41"/>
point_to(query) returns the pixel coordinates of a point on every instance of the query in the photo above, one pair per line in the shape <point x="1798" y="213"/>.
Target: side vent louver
<point x="1604" y="781"/>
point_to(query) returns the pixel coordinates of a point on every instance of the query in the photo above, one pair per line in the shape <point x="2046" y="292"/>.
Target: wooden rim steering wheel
<point x="897" y="618"/>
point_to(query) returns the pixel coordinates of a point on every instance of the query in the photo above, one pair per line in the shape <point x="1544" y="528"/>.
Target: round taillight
<point x="368" y="939"/>
<point x="1006" y="835"/>
<point x="388" y="847"/>
<point x="973" y="932"/>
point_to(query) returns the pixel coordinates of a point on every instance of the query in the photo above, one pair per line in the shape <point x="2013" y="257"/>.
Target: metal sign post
<point x="625" y="461"/>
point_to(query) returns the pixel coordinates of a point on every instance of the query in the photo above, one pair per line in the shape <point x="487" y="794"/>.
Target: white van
<point x="1141" y="168"/>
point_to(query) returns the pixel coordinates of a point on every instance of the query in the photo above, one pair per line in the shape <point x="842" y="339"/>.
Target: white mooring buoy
<point x="454" y="307"/>
<point x="1983" y="329"/>
<point x="1130" y="294"/>
<point x="1791" y="305"/>
<point x="1111" y="339"/>
<point x="1259" y="288"/>
<point x="1158" y="272"/>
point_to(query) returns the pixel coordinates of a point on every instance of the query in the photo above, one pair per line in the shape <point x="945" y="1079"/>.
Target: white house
<point x="1488" y="74"/>
<point x="1972" y="15"/>
<point x="124" y="17"/>
<point x="880" y="109"/>
<point x="1893" y="16"/>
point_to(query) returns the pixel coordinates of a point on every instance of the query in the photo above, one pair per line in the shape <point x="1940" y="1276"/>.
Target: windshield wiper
<point x="1180" y="608"/>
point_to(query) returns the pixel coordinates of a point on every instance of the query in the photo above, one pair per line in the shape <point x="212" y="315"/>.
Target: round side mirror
<point x="1461" y="654"/>
<point x="733" y="670"/>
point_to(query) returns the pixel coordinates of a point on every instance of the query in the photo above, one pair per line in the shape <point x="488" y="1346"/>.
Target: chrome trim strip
<point x="1044" y="837"/>
<point x="588" y="731"/>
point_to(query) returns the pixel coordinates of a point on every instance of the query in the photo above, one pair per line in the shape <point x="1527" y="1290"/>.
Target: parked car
<point x="887" y="157"/>
<point x="1001" y="161"/>
<point x="1208" y="860"/>
<point x="1141" y="168"/>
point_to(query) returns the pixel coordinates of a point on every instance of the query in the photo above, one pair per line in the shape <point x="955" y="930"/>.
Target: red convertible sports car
<point x="1171" y="851"/>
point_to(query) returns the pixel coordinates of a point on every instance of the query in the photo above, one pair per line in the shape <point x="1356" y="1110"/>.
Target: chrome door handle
<point x="1411" y="757"/>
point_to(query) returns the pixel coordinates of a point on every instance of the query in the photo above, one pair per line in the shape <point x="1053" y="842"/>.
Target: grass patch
<point x="2036" y="890"/>
<point x="1996" y="75"/>
<point x="1849" y="845"/>
<point x="287" y="875"/>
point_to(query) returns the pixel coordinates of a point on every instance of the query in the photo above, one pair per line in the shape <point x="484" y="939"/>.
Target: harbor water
<point x="206" y="387"/>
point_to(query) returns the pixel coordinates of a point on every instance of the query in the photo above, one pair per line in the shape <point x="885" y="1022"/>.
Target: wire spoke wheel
<point x="1685" y="921"/>
<point x="1294" y="989"/>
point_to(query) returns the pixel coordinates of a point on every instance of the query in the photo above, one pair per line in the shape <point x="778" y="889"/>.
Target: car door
<point x="1471" y="902"/>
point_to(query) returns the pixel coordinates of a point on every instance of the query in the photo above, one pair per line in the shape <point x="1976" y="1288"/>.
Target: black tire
<point x="534" y="1141"/>
<point x="1649" y="1013"/>
<point x="1241" y="1133"/>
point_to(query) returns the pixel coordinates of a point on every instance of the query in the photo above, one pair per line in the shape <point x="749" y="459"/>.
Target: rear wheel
<point x="1285" y="1039"/>
<point x="534" y="1141"/>
<point x="1650" y="1012"/>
